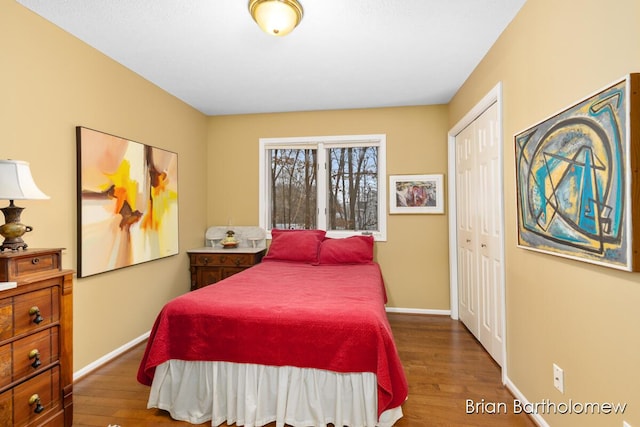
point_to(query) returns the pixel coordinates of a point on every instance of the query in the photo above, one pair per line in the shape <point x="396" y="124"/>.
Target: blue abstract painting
<point x="573" y="182"/>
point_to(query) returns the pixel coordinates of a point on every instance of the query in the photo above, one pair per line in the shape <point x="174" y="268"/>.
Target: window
<point x="334" y="183"/>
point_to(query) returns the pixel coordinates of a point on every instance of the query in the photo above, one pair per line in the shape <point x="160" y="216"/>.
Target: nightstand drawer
<point x="209" y="266"/>
<point x="231" y="260"/>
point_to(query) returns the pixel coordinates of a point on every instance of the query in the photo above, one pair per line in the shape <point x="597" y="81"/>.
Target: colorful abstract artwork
<point x="574" y="181"/>
<point x="127" y="202"/>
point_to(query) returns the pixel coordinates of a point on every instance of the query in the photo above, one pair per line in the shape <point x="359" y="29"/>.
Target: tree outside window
<point x="331" y="183"/>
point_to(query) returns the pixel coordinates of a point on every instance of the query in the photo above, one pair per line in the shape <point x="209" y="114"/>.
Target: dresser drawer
<point x="6" y="318"/>
<point x="26" y="312"/>
<point x="21" y="264"/>
<point x="36" y="263"/>
<point x="230" y="260"/>
<point x="35" y="352"/>
<point x="30" y="354"/>
<point x="43" y="390"/>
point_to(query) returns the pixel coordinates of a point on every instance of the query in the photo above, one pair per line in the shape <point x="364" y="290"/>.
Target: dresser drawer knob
<point x="238" y="261"/>
<point x="35" y="311"/>
<point x="35" y="400"/>
<point x="205" y="260"/>
<point x="35" y="261"/>
<point x="35" y="355"/>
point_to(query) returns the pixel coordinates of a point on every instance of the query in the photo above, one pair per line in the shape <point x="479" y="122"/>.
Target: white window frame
<point x="321" y="143"/>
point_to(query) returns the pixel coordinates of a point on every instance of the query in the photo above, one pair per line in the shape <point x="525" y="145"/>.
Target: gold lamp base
<point x="13" y="230"/>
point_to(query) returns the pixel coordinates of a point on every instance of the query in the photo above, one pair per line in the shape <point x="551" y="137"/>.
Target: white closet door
<point x="480" y="264"/>
<point x="489" y="229"/>
<point x="466" y="232"/>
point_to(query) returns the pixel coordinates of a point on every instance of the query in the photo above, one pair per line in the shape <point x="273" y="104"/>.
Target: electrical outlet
<point x="558" y="378"/>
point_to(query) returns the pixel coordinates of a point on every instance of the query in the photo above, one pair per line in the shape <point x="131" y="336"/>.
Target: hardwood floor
<point x="444" y="364"/>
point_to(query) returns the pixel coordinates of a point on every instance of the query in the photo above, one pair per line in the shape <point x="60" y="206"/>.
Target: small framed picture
<point x="416" y="194"/>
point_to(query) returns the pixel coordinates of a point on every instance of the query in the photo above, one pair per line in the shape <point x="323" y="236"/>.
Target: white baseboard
<point x="108" y="357"/>
<point x="537" y="418"/>
<point x="417" y="311"/>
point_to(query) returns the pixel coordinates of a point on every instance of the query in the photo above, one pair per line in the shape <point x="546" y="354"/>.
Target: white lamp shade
<point x="16" y="182"/>
<point x="276" y="17"/>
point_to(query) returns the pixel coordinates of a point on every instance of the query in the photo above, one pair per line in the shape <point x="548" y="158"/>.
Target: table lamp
<point x="16" y="183"/>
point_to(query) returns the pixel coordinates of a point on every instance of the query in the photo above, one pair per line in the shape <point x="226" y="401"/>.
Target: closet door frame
<point x="493" y="96"/>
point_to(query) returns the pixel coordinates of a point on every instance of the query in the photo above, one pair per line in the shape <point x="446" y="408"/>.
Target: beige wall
<point x="50" y="83"/>
<point x="414" y="259"/>
<point x="580" y="316"/>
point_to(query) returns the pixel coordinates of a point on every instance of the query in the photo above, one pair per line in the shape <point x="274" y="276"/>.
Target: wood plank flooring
<point x="443" y="362"/>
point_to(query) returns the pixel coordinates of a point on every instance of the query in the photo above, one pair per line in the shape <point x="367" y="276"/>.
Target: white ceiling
<point x="344" y="54"/>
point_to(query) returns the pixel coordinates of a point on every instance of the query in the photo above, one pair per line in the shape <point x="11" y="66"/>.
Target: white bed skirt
<point x="254" y="395"/>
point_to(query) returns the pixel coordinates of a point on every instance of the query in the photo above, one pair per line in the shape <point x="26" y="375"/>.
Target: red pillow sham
<point x="295" y="245"/>
<point x="350" y="250"/>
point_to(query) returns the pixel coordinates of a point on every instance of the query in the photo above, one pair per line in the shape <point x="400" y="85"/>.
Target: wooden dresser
<point x="210" y="265"/>
<point x="36" y="366"/>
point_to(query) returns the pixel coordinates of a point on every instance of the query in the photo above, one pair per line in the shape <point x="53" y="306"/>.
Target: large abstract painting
<point x="127" y="202"/>
<point x="575" y="189"/>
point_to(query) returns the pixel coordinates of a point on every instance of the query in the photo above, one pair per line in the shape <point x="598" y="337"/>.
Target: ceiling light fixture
<point x="276" y="17"/>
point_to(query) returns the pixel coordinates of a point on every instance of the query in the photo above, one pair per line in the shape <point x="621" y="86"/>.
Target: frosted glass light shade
<point x="16" y="182"/>
<point x="276" y="17"/>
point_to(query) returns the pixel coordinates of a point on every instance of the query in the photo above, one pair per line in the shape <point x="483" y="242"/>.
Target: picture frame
<point x="577" y="192"/>
<point x="127" y="202"/>
<point x="416" y="194"/>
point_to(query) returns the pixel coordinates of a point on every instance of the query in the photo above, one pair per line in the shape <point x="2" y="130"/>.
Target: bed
<point x="300" y="339"/>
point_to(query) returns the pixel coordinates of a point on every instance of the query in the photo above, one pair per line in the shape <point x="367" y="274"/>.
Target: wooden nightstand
<point x="210" y="265"/>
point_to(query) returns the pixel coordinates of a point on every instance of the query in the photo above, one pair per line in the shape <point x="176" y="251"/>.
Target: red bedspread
<point x="327" y="317"/>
